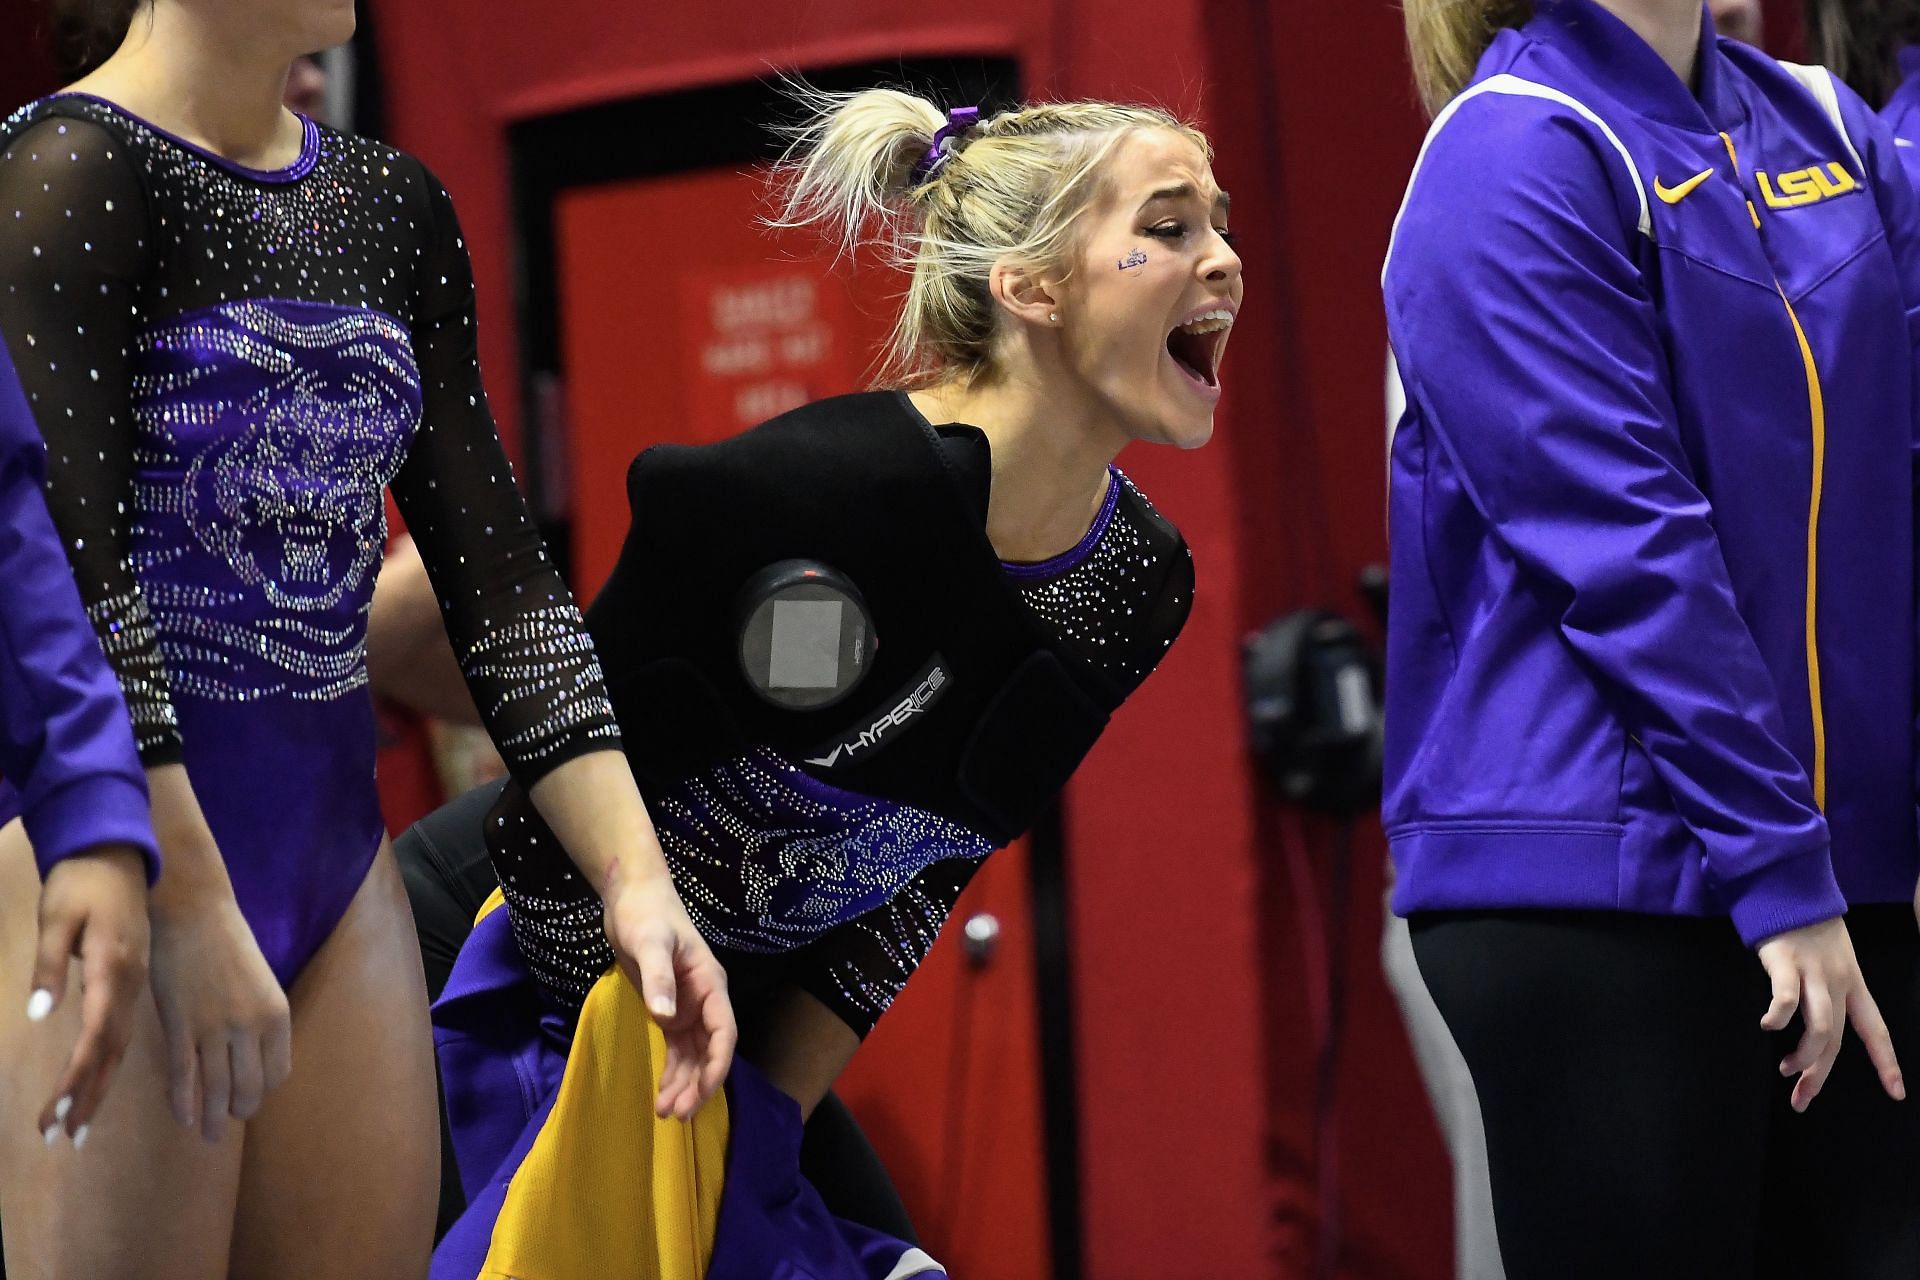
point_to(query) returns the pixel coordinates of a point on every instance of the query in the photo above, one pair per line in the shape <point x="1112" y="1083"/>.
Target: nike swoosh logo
<point x="1674" y="195"/>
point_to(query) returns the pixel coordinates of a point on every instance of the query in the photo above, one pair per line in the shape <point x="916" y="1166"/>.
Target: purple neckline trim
<point x="300" y="168"/>
<point x="1029" y="570"/>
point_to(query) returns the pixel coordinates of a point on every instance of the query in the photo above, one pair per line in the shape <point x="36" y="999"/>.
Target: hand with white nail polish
<point x="591" y="804"/>
<point x="93" y="908"/>
<point x="683" y="985"/>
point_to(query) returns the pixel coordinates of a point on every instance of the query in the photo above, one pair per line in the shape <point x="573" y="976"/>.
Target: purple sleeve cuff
<point x="77" y="818"/>
<point x="1789" y="894"/>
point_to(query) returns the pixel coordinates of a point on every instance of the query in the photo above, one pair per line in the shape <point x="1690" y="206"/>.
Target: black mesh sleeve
<point x="74" y="249"/>
<point x="514" y="625"/>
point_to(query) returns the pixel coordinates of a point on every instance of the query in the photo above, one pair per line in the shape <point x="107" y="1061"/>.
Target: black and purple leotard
<point x="229" y="365"/>
<point x="818" y="850"/>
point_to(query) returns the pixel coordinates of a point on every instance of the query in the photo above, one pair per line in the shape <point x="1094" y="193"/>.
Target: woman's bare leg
<point x="342" y="1171"/>
<point x="146" y="1199"/>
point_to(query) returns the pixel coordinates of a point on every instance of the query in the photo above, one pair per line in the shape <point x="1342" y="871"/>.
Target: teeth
<point x="1209" y="322"/>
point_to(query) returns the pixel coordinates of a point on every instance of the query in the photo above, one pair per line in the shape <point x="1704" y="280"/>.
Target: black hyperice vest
<point x="969" y="709"/>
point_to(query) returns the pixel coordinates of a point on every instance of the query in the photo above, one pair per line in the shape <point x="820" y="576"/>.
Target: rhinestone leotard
<point x="797" y="881"/>
<point x="228" y="366"/>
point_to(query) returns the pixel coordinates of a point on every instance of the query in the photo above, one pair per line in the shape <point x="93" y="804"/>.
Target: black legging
<point x="1637" y="1123"/>
<point x="443" y="860"/>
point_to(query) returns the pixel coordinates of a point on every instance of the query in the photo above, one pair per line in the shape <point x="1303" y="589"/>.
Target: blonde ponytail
<point x="852" y="160"/>
<point x="1445" y="39"/>
<point x="862" y="169"/>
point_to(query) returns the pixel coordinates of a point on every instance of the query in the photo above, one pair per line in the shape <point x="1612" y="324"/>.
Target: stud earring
<point x="1053" y="317"/>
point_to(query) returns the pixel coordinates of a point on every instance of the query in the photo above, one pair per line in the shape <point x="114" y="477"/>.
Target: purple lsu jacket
<point x="66" y="743"/>
<point x="1652" y="637"/>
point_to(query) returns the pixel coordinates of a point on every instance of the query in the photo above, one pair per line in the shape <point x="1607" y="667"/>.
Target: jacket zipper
<point x="1816" y="406"/>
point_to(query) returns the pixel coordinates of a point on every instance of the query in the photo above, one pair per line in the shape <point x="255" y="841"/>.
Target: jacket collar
<point x="1614" y="56"/>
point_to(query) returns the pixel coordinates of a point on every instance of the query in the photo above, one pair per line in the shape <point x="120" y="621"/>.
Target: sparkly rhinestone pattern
<point x="228" y="366"/>
<point x="853" y="890"/>
<point x="539" y="670"/>
<point x="265" y="435"/>
<point x="870" y="959"/>
<point x="126" y="633"/>
<point x="1107" y="601"/>
<point x="767" y="859"/>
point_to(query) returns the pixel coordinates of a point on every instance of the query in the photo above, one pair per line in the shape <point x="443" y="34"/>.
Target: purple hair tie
<point x="959" y="120"/>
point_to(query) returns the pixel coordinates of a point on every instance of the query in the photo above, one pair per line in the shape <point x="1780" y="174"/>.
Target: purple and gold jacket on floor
<point x="228" y="366"/>
<point x="1652" y="518"/>
<point x="64" y="736"/>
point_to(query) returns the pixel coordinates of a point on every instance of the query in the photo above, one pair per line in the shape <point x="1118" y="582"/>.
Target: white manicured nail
<point x="51" y="1132"/>
<point x="80" y="1136"/>
<point x="61" y="1108"/>
<point x="39" y="1005"/>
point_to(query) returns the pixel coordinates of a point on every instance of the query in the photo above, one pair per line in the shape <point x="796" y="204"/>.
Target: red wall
<point x="664" y="369"/>
<point x="1313" y="103"/>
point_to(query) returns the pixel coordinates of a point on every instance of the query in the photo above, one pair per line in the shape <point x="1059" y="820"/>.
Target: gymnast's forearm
<point x="592" y="806"/>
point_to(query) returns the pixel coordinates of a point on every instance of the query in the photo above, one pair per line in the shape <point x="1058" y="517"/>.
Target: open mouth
<point x="1197" y="345"/>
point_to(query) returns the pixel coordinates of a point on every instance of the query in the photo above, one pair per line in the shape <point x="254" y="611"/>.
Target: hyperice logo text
<point x="861" y="742"/>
